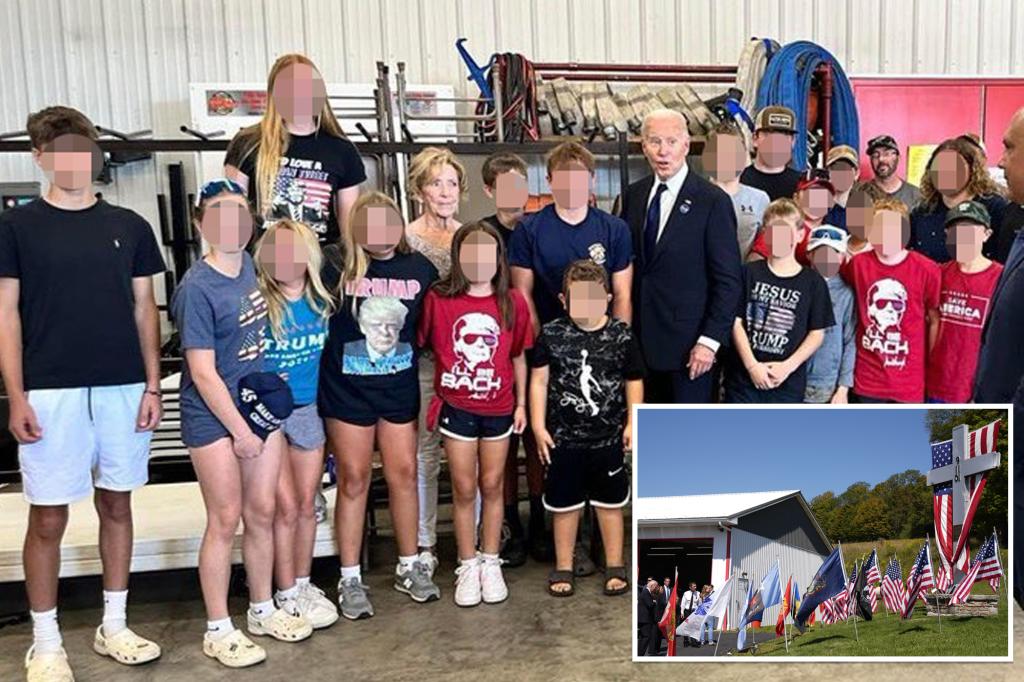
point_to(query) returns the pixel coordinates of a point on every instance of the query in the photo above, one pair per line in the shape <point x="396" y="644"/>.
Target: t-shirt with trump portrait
<point x="964" y="306"/>
<point x="473" y="350"/>
<point x="369" y="365"/>
<point x="892" y="330"/>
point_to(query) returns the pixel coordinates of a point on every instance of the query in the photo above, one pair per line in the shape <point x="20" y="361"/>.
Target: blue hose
<point x="787" y="81"/>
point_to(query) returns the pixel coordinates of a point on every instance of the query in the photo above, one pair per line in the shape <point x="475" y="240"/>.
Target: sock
<point x="218" y="629"/>
<point x="302" y="582"/>
<point x="513" y="520"/>
<point x="263" y="609"/>
<point x="45" y="631"/>
<point x="488" y="558"/>
<point x="114" y="607"/>
<point x="351" y="572"/>
<point x="286" y="599"/>
<point x="467" y="562"/>
<point x="405" y="562"/>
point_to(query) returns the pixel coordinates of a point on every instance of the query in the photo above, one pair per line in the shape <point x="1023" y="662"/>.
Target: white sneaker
<point x="315" y="607"/>
<point x="494" y="588"/>
<point x="430" y="561"/>
<point x="125" y="647"/>
<point x="234" y="650"/>
<point x="280" y="625"/>
<point x="467" y="583"/>
<point x="48" y="667"/>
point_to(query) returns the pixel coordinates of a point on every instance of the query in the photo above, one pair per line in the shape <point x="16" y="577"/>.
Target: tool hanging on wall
<point x="518" y="94"/>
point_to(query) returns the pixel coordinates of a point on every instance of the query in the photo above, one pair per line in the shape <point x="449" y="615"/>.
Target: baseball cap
<point x="776" y="118"/>
<point x="843" y="152"/>
<point x="972" y="211"/>
<point x="212" y="188"/>
<point x="882" y="142"/>
<point x="265" y="401"/>
<point x="814" y="180"/>
<point x="827" y="235"/>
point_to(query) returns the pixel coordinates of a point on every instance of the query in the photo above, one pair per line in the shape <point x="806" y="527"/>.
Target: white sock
<point x="45" y="631"/>
<point x="114" y="608"/>
<point x="302" y="582"/>
<point x="286" y="599"/>
<point x="262" y="609"/>
<point x="218" y="629"/>
<point x="405" y="562"/>
<point x="489" y="558"/>
<point x="469" y="562"/>
<point x="348" y="572"/>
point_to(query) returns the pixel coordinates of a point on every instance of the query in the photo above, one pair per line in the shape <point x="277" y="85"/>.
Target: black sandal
<point x="557" y="577"/>
<point x="615" y="573"/>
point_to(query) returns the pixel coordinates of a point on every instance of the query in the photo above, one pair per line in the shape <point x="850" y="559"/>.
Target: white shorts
<point x="89" y="440"/>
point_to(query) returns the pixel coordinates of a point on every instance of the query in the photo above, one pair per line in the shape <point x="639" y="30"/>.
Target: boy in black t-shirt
<point x="588" y="372"/>
<point x="504" y="176"/>
<point x="774" y="133"/>
<point x="781" y="318"/>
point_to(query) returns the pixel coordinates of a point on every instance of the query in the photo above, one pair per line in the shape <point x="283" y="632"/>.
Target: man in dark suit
<point x="687" y="272"/>
<point x="660" y="604"/>
<point x="1000" y="375"/>
<point x="646" y="623"/>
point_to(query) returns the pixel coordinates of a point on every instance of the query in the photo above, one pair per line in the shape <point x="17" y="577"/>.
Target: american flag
<point x="942" y="455"/>
<point x="919" y="581"/>
<point x="985" y="565"/>
<point x="851" y="600"/>
<point x="828" y="612"/>
<point x="892" y="586"/>
<point x="942" y="578"/>
<point x="767" y="317"/>
<point x="873" y="596"/>
<point x="986" y="571"/>
<point x="871" y="566"/>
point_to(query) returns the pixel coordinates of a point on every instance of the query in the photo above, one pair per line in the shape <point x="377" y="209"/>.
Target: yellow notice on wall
<point x="917" y="161"/>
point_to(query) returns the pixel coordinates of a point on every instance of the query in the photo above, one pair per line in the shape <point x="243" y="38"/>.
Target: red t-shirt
<point x="473" y="350"/>
<point x="760" y="246"/>
<point x="964" y="305"/>
<point x="892" y="330"/>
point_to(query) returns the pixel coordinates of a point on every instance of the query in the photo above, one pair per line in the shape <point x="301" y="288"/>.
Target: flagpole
<point x="785" y="602"/>
<point x="856" y="603"/>
<point x="938" y="606"/>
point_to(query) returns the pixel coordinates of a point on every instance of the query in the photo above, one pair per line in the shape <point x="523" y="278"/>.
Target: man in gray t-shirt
<point x="884" y="155"/>
<point x="749" y="204"/>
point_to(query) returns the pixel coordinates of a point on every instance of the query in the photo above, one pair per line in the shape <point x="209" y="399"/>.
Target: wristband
<point x="151" y="392"/>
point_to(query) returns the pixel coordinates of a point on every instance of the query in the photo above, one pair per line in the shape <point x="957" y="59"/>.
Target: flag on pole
<point x="667" y="624"/>
<point x="715" y="606"/>
<point x="919" y="581"/>
<point x="892" y="586"/>
<point x="874" y="598"/>
<point x="943" y="579"/>
<point x="828" y="611"/>
<point x="825" y="584"/>
<point x="993" y="575"/>
<point x="860" y="604"/>
<point x="780" y="624"/>
<point x="871" y="568"/>
<point x="986" y="556"/>
<point x="794" y="604"/>
<point x="769" y="593"/>
<point x="851" y="593"/>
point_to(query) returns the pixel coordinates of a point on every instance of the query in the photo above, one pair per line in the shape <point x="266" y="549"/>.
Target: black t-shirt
<point x="775" y="185"/>
<point x="75" y="271"/>
<point x="504" y="232"/>
<point x="313" y="169"/>
<point x="778" y="313"/>
<point x="365" y="376"/>
<point x="586" y="380"/>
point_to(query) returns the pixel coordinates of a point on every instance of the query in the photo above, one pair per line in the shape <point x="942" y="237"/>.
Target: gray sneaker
<point x="416" y="582"/>
<point x="353" y="600"/>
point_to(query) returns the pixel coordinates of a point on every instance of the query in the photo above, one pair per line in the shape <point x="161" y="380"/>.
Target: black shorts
<point x="576" y="475"/>
<point x="462" y="425"/>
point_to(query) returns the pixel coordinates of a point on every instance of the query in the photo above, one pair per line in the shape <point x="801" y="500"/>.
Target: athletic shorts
<point x="89" y="441"/>
<point x="304" y="429"/>
<point x="576" y="475"/>
<point x="463" y="425"/>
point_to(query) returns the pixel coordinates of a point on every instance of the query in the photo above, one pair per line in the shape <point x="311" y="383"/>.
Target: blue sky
<point x="686" y="451"/>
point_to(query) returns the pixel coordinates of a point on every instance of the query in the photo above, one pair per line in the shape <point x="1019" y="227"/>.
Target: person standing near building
<point x="774" y="134"/>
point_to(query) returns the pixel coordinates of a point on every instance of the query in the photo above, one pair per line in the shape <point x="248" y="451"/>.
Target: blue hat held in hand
<point x="265" y="401"/>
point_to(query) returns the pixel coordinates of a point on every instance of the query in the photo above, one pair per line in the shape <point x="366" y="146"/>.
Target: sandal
<point x="557" y="577"/>
<point x="234" y="650"/>
<point x="125" y="647"/>
<point x="615" y="573"/>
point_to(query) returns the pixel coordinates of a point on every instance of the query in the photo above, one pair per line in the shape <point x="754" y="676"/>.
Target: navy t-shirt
<point x="546" y="244"/>
<point x="75" y="270"/>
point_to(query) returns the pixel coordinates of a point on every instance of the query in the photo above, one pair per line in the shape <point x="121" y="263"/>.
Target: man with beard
<point x="884" y="154"/>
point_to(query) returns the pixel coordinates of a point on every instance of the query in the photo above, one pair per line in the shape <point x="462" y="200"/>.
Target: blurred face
<point x="510" y="192"/>
<point x="859" y="213"/>
<point x="1012" y="160"/>
<point x="666" y="142"/>
<point x="478" y="257"/>
<point x="842" y="176"/>
<point x="377" y="229"/>
<point x="227" y="223"/>
<point x="587" y="304"/>
<point x="725" y="157"/>
<point x="284" y="255"/>
<point x="70" y="162"/>
<point x="949" y="172"/>
<point x="299" y="92"/>
<point x="826" y="261"/>
<point x="884" y="162"/>
<point x="440" y="195"/>
<point x="965" y="240"/>
<point x="815" y="202"/>
<point x="781" y="236"/>
<point x="774" y="149"/>
<point x="889" y="233"/>
<point x="570" y="185"/>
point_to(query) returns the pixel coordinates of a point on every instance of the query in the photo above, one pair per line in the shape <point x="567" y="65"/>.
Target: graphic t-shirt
<point x="892" y="304"/>
<point x="749" y="204"/>
<point x="224" y="314"/>
<point x="473" y="350"/>
<point x="546" y="244"/>
<point x="963" y="308"/>
<point x="369" y="365"/>
<point x="775" y="185"/>
<point x="296" y="355"/>
<point x="778" y="313"/>
<point x="313" y="169"/>
<point x="587" y="380"/>
<point x="75" y="271"/>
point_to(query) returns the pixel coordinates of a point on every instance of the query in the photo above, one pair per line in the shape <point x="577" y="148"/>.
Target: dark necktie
<point x="653" y="219"/>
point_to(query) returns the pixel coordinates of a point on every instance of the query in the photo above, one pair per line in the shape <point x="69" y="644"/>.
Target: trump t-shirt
<point x="892" y="330"/>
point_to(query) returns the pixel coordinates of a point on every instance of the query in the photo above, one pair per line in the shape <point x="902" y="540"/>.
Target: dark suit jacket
<point x="1001" y="362"/>
<point x="690" y="286"/>
<point x="645" y="608"/>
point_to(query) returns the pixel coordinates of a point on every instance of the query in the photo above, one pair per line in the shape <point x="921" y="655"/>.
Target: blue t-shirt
<point x="296" y="355"/>
<point x="547" y="245"/>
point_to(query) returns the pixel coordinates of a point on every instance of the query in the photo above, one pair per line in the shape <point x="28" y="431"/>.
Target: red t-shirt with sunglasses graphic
<point x="892" y="328"/>
<point x="473" y="349"/>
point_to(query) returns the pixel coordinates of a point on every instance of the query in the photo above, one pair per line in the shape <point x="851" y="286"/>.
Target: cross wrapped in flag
<point x="919" y="581"/>
<point x="985" y="565"/>
<point x="892" y="586"/>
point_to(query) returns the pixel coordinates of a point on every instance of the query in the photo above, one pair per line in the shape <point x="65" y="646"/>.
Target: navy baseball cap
<point x="265" y="401"/>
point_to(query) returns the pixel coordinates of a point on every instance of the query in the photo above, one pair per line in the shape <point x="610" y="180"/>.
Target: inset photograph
<point x="863" y="532"/>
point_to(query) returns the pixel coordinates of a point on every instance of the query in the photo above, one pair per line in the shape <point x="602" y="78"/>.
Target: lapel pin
<point x="684" y="207"/>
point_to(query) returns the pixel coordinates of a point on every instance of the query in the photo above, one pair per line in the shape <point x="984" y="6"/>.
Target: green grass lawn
<point x="888" y="636"/>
